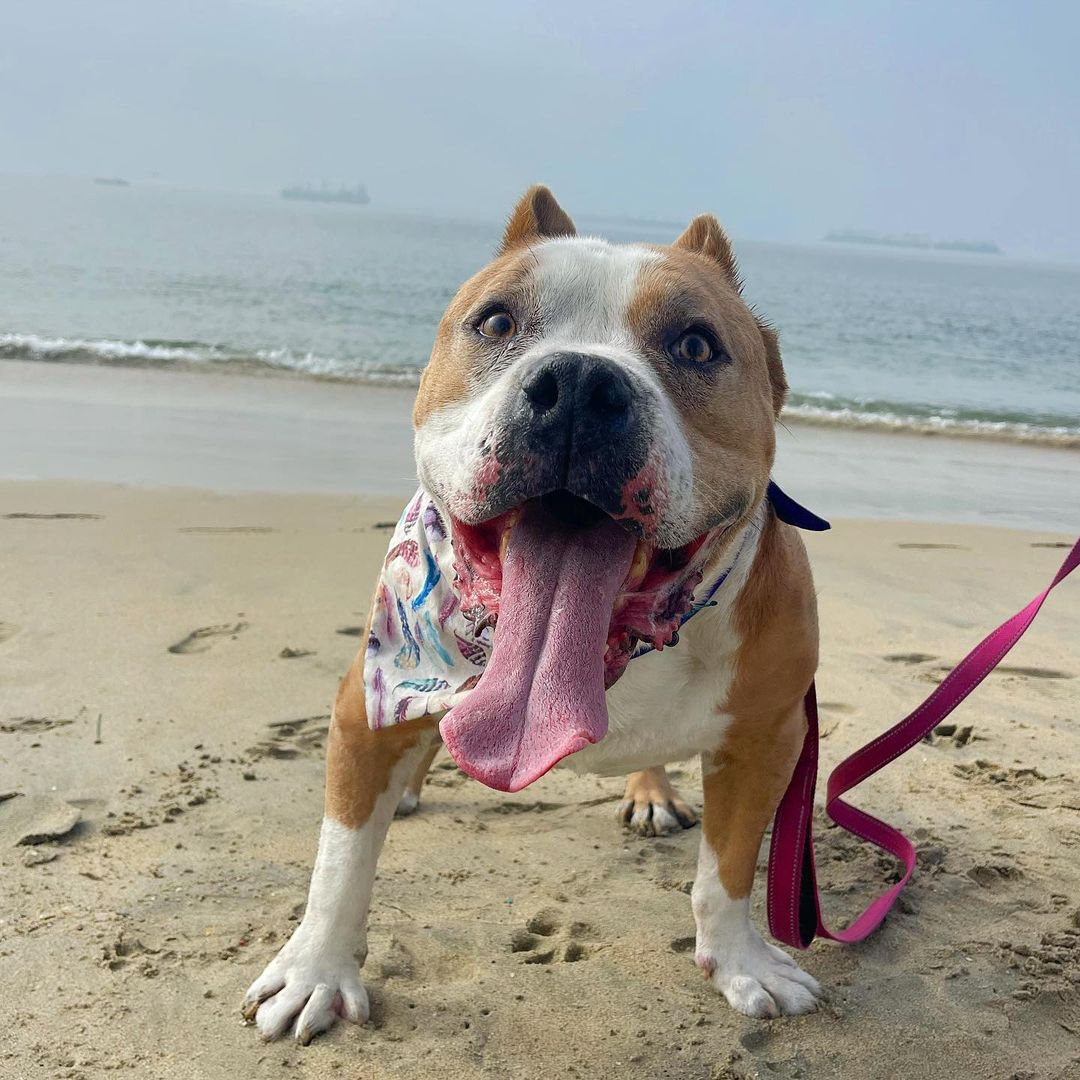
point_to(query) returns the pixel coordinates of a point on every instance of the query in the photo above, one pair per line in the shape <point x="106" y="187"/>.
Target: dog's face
<point x="633" y="377"/>
<point x="578" y="386"/>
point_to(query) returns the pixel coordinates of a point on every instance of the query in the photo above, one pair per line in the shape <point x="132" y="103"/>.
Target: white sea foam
<point x="941" y="423"/>
<point x="32" y="346"/>
<point x="815" y="407"/>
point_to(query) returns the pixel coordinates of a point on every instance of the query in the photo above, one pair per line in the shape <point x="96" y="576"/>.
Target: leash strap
<point x="794" y="904"/>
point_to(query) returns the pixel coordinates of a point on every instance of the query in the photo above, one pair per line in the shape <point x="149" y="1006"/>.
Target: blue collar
<point x="787" y="509"/>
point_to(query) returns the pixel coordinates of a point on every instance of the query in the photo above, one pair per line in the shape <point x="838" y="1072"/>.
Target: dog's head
<point x="594" y="419"/>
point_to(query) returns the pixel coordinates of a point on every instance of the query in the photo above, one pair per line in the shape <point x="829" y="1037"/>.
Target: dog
<point x="594" y="437"/>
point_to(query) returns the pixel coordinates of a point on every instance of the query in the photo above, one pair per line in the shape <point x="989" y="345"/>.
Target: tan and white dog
<point x="593" y="417"/>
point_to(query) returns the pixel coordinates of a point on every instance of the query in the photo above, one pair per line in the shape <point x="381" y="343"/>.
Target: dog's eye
<point x="499" y="325"/>
<point x="693" y="347"/>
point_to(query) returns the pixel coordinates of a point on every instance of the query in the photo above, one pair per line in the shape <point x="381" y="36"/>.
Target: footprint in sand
<point x="933" y="547"/>
<point x="7" y="631"/>
<point x="908" y="657"/>
<point x="214" y="529"/>
<point x="1032" y="672"/>
<point x="53" y="517"/>
<point x="200" y="640"/>
<point x="536" y="939"/>
<point x="1015" y="669"/>
<point x="289" y="738"/>
<point x="535" y="806"/>
<point x="988" y="876"/>
<point x="19" y="724"/>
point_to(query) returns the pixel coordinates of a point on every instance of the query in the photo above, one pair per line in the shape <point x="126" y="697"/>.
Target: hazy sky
<point x="953" y="118"/>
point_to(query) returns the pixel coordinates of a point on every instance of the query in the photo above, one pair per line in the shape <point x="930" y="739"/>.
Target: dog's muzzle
<point x="577" y="423"/>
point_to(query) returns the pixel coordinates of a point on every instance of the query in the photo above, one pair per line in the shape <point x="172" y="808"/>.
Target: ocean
<point x="165" y="277"/>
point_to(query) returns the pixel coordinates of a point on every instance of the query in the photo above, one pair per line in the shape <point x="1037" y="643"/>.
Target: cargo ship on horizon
<point x="911" y="240"/>
<point x="357" y="195"/>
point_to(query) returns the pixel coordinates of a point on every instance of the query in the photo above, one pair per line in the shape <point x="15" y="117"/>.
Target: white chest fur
<point x="668" y="706"/>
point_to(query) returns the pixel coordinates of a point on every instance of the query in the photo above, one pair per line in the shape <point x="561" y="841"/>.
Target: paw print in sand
<point x="544" y="940"/>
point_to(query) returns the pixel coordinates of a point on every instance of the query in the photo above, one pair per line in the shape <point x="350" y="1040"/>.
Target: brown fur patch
<point x="776" y="616"/>
<point x="727" y="409"/>
<point x="359" y="761"/>
<point x="748" y="778"/>
<point x="457" y="354"/>
<point x="777" y="376"/>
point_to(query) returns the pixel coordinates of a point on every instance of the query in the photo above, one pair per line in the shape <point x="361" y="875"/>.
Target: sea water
<point x="159" y="277"/>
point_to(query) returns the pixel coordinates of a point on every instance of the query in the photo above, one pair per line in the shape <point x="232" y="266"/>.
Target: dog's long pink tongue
<point x="542" y="694"/>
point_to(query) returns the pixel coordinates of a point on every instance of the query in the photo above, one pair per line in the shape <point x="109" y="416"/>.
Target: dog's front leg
<point x="316" y="976"/>
<point x="744" y="782"/>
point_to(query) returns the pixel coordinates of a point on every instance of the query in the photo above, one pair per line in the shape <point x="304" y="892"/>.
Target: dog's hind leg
<point x="410" y="798"/>
<point x="315" y="978"/>
<point x="651" y="806"/>
<point x="744" y="782"/>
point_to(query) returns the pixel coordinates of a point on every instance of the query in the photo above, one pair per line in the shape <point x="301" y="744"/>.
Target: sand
<point x="144" y="682"/>
<point x="284" y="434"/>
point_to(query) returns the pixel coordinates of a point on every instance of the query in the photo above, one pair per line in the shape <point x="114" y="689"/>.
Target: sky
<point x="955" y="119"/>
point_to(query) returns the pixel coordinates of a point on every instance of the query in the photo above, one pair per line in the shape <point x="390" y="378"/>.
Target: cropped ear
<point x="537" y="215"/>
<point x="704" y="236"/>
<point x="777" y="378"/>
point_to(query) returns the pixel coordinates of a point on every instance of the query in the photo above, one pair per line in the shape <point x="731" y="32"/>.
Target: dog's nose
<point x="578" y="400"/>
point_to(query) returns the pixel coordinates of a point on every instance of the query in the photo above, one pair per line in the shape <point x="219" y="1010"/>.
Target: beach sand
<point x="143" y="682"/>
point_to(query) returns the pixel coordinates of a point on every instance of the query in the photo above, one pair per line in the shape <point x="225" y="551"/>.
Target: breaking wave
<point x="820" y="408"/>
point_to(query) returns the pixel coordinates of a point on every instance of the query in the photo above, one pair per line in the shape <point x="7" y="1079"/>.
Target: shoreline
<point x="234" y="433"/>
<point x="806" y="409"/>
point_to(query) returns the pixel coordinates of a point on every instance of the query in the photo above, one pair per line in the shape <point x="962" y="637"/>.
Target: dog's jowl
<point x="594" y="440"/>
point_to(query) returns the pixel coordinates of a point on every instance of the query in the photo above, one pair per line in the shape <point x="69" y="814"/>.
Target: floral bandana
<point x="424" y="654"/>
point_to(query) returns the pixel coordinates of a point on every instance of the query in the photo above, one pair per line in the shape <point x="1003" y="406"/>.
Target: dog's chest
<point x="669" y="705"/>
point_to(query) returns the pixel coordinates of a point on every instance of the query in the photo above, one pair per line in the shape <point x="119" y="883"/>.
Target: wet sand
<point x="243" y="433"/>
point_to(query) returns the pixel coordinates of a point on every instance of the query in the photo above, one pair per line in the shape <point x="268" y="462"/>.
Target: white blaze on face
<point x="583" y="289"/>
<point x="586" y="287"/>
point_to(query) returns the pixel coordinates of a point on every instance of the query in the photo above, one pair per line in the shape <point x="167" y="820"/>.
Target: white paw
<point x="656" y="816"/>
<point x="407" y="804"/>
<point x="306" y="987"/>
<point x="758" y="979"/>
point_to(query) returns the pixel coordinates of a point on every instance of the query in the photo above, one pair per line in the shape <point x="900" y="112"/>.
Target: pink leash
<point x="794" y="902"/>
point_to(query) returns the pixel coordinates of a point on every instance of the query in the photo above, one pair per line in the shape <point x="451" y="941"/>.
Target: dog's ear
<point x="537" y="215"/>
<point x="704" y="236"/>
<point x="777" y="378"/>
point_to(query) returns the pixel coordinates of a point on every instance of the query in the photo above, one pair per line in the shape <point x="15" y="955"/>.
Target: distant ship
<point x="911" y="240"/>
<point x="112" y="181"/>
<point x="358" y="195"/>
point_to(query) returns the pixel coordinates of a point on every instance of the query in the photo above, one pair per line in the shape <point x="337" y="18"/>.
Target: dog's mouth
<point x="571" y="594"/>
